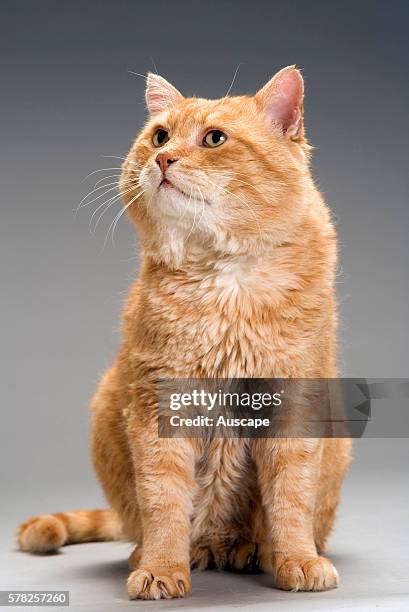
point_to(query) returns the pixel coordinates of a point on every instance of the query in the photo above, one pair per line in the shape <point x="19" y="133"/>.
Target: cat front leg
<point x="288" y="472"/>
<point x="164" y="480"/>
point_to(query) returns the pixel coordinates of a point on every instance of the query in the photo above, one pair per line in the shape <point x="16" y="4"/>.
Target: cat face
<point x="226" y="173"/>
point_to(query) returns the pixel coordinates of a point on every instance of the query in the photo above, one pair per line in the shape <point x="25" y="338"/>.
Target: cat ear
<point x="160" y="95"/>
<point x="282" y="100"/>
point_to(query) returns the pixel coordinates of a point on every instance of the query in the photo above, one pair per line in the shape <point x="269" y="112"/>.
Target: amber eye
<point x="160" y="137"/>
<point x="214" y="138"/>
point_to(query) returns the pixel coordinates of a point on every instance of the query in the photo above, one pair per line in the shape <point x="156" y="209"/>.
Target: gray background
<point x="67" y="100"/>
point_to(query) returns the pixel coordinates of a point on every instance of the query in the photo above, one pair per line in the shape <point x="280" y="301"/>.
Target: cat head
<point x="227" y="174"/>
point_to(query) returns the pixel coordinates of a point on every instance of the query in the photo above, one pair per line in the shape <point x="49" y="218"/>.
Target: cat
<point x="238" y="258"/>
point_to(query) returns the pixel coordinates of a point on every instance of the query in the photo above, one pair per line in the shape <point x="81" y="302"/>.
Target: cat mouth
<point x="167" y="184"/>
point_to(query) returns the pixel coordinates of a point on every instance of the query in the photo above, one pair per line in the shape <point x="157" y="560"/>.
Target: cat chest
<point x="221" y="326"/>
<point x="210" y="342"/>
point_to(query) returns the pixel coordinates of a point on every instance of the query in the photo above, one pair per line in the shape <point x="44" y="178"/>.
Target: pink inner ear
<point x="156" y="102"/>
<point x="160" y="94"/>
<point x="282" y="98"/>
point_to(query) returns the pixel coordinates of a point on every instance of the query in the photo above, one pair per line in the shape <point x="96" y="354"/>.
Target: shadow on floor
<point x="219" y="587"/>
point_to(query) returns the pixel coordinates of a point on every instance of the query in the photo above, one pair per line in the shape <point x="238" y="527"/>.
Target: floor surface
<point x="369" y="547"/>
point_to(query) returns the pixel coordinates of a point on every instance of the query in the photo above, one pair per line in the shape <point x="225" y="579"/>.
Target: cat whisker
<point x="101" y="195"/>
<point x="90" y="193"/>
<point x="119" y="215"/>
<point x="203" y="206"/>
<point x="115" y="184"/>
<point x="143" y="76"/>
<point x="187" y="205"/>
<point x="232" y="83"/>
<point x="138" y="165"/>
<point x="107" y="177"/>
<point x="193" y="224"/>
<point x="148" y="204"/>
<point x="154" y="65"/>
<point x="99" y="170"/>
<point x="108" y="203"/>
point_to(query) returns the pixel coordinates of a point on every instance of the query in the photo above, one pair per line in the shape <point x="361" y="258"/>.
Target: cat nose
<point x="163" y="160"/>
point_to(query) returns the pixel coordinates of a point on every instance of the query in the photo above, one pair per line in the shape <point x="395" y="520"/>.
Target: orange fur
<point x="237" y="280"/>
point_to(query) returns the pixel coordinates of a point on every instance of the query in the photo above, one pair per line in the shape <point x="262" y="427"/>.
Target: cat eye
<point x="214" y="138"/>
<point x="160" y="137"/>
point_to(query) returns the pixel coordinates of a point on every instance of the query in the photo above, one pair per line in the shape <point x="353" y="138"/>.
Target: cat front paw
<point x="159" y="582"/>
<point x="294" y="573"/>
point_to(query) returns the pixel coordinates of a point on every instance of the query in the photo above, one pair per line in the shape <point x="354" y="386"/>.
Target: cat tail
<point x="47" y="532"/>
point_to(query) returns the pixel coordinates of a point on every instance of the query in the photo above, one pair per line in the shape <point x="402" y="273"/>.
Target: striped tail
<point x="47" y="532"/>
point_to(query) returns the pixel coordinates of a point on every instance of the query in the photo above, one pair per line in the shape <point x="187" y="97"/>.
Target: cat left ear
<point x="160" y="95"/>
<point x="282" y="100"/>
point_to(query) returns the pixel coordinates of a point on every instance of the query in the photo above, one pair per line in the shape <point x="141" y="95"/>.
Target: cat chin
<point x="186" y="230"/>
<point x="173" y="204"/>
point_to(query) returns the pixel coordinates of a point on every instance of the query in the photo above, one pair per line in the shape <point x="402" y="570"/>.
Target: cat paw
<point x="159" y="582"/>
<point x="243" y="556"/>
<point x="209" y="556"/>
<point x="304" y="573"/>
<point x="201" y="558"/>
<point x="225" y="554"/>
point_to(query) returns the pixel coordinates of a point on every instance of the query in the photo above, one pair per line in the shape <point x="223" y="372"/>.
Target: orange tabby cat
<point x="236" y="280"/>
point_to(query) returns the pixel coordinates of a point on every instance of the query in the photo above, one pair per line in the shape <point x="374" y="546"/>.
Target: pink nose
<point x="163" y="160"/>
